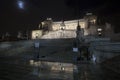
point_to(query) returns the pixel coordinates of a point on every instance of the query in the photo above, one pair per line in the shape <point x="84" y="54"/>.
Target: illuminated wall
<point x="88" y="24"/>
<point x="36" y="34"/>
<point x="71" y="25"/>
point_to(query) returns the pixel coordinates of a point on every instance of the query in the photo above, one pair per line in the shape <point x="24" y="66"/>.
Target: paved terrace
<point x="16" y="59"/>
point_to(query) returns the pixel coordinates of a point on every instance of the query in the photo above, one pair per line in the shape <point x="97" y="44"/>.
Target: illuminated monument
<point x="67" y="29"/>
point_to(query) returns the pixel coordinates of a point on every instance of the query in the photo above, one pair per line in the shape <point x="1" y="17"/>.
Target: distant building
<point x="88" y="24"/>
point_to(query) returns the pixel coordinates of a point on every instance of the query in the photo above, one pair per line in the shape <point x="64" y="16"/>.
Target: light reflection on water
<point x="58" y="70"/>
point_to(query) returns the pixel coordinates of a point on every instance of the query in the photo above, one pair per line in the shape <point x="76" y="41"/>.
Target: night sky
<point x="21" y="15"/>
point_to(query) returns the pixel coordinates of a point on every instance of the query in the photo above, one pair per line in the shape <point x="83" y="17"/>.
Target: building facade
<point x="87" y="23"/>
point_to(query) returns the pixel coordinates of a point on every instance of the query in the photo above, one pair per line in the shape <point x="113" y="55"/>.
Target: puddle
<point x="57" y="70"/>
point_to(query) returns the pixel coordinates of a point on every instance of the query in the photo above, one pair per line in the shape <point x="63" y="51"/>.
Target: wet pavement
<point x="56" y="70"/>
<point x="16" y="64"/>
<point x="14" y="69"/>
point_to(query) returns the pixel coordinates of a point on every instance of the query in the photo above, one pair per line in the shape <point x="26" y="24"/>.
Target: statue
<point x="80" y="33"/>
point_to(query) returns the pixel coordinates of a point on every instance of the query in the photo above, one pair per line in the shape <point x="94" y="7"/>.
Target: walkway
<point x="15" y="65"/>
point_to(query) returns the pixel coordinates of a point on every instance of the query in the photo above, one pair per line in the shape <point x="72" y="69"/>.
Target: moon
<point x="20" y="4"/>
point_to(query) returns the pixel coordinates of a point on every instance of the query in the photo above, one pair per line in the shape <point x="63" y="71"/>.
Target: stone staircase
<point x="59" y="34"/>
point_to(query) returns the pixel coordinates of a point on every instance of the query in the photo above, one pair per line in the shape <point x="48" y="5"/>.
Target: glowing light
<point x="31" y="62"/>
<point x="20" y="4"/>
<point x="99" y="29"/>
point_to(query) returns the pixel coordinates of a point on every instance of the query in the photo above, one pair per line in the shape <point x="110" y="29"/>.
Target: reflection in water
<point x="57" y="70"/>
<point x="94" y="58"/>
